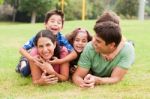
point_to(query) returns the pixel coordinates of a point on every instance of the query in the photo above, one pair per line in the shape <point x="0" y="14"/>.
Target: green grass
<point x="135" y="85"/>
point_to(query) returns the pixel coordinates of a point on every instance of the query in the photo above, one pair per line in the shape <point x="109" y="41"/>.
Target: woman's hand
<point x="45" y="66"/>
<point x="48" y="79"/>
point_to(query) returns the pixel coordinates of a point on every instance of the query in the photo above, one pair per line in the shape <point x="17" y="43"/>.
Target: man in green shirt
<point x="107" y="38"/>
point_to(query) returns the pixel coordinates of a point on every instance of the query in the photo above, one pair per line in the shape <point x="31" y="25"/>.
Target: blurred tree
<point x="1" y="2"/>
<point x="15" y="5"/>
<point x="72" y="9"/>
<point x="127" y="8"/>
<point x="34" y="7"/>
<point x="147" y="8"/>
<point x="94" y="9"/>
<point x="141" y="10"/>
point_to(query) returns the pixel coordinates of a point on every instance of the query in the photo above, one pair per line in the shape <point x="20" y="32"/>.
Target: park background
<point x="14" y="33"/>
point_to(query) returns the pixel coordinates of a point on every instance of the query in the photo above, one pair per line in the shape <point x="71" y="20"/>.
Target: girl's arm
<point x="39" y="76"/>
<point x="68" y="58"/>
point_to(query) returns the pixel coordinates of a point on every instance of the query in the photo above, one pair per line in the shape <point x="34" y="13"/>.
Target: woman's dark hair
<point x="48" y="34"/>
<point x="74" y="33"/>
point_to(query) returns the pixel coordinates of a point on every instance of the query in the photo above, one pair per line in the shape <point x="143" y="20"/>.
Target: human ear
<point x="112" y="45"/>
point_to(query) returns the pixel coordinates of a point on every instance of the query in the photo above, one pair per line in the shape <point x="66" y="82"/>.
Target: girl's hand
<point x="55" y="61"/>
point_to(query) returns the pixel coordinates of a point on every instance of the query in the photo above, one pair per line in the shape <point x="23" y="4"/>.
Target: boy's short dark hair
<point x="109" y="32"/>
<point x="54" y="12"/>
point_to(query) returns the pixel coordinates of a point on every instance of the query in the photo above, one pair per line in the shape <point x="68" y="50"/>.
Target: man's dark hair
<point x="109" y="32"/>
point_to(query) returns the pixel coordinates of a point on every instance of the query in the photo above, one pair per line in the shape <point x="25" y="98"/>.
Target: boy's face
<point x="54" y="24"/>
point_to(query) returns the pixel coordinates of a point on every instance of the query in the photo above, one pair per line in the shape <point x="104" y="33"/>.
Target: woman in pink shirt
<point x="46" y="49"/>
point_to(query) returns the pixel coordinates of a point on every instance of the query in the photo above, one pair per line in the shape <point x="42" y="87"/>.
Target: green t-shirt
<point x="93" y="61"/>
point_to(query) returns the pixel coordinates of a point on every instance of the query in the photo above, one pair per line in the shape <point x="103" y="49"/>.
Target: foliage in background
<point x="1" y="2"/>
<point x="32" y="9"/>
<point x="147" y="8"/>
<point x="35" y="7"/>
<point x="94" y="9"/>
<point x="73" y="9"/>
<point x="127" y="8"/>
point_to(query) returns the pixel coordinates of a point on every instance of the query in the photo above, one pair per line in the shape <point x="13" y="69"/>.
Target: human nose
<point x="55" y="23"/>
<point x="45" y="49"/>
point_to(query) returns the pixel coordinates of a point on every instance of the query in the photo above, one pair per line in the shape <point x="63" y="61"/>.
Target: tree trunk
<point x="141" y="10"/>
<point x="14" y="15"/>
<point x="33" y="17"/>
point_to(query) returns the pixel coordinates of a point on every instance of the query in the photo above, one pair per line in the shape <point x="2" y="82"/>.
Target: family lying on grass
<point x="102" y="59"/>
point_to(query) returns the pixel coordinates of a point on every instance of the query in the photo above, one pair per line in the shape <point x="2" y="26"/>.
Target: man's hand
<point x="89" y="81"/>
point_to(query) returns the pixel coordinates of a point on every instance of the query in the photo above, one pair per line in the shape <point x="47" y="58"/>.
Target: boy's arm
<point x="25" y="54"/>
<point x="68" y="58"/>
<point x="113" y="55"/>
<point x="28" y="45"/>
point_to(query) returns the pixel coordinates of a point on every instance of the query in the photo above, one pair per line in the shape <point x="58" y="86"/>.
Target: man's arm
<point x="116" y="76"/>
<point x="78" y="77"/>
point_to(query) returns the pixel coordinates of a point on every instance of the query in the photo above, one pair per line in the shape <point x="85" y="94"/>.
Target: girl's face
<point x="45" y="48"/>
<point x="80" y="41"/>
<point x="54" y="24"/>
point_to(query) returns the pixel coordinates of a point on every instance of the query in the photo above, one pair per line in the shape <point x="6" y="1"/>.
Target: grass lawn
<point x="135" y="85"/>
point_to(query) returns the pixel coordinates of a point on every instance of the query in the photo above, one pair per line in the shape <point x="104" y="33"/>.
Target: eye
<point x="77" y="40"/>
<point x="40" y="46"/>
<point x="59" y="22"/>
<point x="52" y="21"/>
<point x="48" y="44"/>
<point x="84" y="41"/>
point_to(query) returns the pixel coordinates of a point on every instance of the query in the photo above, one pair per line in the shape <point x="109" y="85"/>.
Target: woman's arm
<point x="39" y="76"/>
<point x="64" y="72"/>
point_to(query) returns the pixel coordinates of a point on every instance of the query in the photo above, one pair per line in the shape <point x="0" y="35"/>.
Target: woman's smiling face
<point x="45" y="48"/>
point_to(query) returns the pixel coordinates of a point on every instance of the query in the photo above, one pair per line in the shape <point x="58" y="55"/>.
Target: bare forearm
<point x="69" y="57"/>
<point x="60" y="76"/>
<point x="25" y="53"/>
<point x="107" y="80"/>
<point x="38" y="82"/>
<point x="77" y="80"/>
